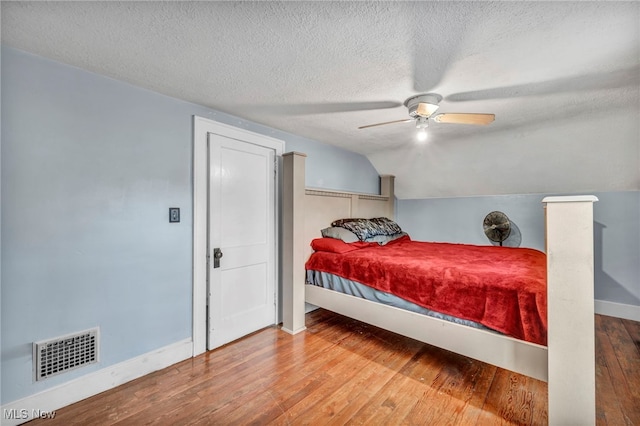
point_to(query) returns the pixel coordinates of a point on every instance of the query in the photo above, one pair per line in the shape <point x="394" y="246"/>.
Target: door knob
<point x="217" y="254"/>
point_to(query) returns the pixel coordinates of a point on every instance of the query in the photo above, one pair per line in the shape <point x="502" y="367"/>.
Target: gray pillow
<point x="384" y="239"/>
<point x="339" y="234"/>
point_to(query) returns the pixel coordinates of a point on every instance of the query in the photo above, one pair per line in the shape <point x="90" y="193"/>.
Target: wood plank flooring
<point x="341" y="371"/>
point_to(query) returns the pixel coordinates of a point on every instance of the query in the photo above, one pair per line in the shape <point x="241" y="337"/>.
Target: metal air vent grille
<point x="55" y="356"/>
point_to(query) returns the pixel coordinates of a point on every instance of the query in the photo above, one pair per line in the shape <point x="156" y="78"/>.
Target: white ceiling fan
<point x="422" y="107"/>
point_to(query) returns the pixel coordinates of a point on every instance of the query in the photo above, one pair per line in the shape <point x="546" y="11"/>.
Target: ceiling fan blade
<point x="386" y="122"/>
<point x="425" y="109"/>
<point x="465" y="118"/>
<point x="626" y="77"/>
<point x="323" y="107"/>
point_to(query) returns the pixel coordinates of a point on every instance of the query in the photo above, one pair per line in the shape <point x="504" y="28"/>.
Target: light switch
<point x="174" y="214"/>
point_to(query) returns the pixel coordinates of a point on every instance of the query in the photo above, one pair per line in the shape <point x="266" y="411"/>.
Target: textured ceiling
<point x="563" y="79"/>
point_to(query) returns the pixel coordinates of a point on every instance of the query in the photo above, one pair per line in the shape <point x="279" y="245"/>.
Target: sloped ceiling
<point x="563" y="79"/>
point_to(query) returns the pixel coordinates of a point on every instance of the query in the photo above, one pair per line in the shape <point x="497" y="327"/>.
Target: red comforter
<point x="502" y="288"/>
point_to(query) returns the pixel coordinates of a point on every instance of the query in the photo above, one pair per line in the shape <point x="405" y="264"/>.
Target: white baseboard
<point x="47" y="401"/>
<point x="618" y="310"/>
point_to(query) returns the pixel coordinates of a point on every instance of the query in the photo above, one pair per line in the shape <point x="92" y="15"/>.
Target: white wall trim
<point x="201" y="129"/>
<point x="618" y="310"/>
<point x="93" y="383"/>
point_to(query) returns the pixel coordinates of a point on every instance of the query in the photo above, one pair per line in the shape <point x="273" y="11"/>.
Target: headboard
<point x="305" y="211"/>
<point x="323" y="207"/>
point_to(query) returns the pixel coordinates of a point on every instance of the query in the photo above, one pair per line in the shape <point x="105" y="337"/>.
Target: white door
<point x="241" y="288"/>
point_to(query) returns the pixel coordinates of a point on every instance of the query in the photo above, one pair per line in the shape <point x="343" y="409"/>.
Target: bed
<point x="495" y="288"/>
<point x="566" y="362"/>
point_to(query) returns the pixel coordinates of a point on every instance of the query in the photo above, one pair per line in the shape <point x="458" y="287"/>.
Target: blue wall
<point x="90" y="166"/>
<point x="616" y="232"/>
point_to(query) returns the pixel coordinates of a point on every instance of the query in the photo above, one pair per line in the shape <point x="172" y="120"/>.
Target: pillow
<point x="333" y="245"/>
<point x="387" y="226"/>
<point x="368" y="228"/>
<point x="340" y="234"/>
<point x="384" y="239"/>
<point x="339" y="222"/>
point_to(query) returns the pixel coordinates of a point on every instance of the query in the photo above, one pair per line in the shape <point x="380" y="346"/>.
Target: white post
<point x="387" y="184"/>
<point x="293" y="279"/>
<point x="570" y="310"/>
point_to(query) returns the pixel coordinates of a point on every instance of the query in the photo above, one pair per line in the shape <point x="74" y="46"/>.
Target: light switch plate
<point x="174" y="214"/>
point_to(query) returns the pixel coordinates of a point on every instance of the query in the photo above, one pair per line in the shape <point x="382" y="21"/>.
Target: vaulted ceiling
<point x="562" y="78"/>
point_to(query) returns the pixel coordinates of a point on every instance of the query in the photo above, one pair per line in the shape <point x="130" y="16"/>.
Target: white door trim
<point x="201" y="128"/>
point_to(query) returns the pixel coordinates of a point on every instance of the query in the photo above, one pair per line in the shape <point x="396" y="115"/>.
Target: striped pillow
<point x="368" y="228"/>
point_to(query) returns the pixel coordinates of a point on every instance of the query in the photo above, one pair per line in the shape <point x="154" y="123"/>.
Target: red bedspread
<point x="502" y="288"/>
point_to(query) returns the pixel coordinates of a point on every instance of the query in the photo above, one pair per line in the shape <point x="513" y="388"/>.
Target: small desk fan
<point x="497" y="226"/>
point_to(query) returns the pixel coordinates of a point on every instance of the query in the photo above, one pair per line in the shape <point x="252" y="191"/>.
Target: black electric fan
<point x="497" y="226"/>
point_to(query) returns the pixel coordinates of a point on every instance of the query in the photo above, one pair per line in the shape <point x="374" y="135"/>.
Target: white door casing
<point x="241" y="283"/>
<point x="202" y="128"/>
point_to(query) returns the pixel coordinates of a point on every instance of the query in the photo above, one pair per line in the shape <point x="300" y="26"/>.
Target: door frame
<point x="201" y="129"/>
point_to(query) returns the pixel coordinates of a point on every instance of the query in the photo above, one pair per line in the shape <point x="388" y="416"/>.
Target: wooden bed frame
<point x="567" y="363"/>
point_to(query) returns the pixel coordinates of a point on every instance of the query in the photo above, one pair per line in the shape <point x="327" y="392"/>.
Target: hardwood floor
<point x="341" y="371"/>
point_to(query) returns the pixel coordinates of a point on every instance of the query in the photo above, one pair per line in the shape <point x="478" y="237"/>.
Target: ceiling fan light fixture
<point x="421" y="124"/>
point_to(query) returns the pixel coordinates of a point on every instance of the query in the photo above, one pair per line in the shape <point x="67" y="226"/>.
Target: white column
<point x="570" y="314"/>
<point x="387" y="184"/>
<point x="293" y="273"/>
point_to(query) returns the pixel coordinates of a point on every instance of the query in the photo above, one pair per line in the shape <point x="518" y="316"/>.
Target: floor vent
<point x="55" y="356"/>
